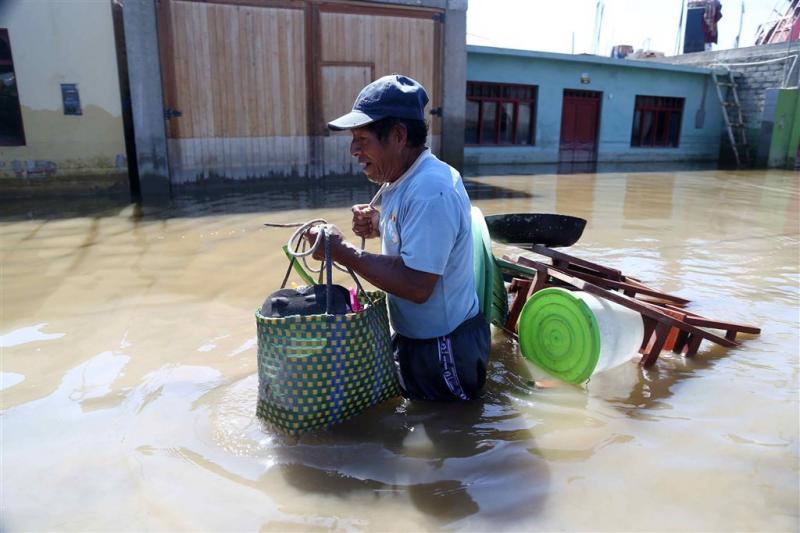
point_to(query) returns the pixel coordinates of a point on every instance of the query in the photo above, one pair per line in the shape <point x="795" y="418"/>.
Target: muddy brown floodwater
<point x="129" y="375"/>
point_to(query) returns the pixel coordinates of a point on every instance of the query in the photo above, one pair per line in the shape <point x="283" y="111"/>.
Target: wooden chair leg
<point x="680" y="342"/>
<point x="660" y="334"/>
<point x="520" y="288"/>
<point x="649" y="328"/>
<point x="693" y="345"/>
<point x="540" y="282"/>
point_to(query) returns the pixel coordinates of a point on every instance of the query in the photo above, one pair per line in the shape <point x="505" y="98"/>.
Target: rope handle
<point x="328" y="264"/>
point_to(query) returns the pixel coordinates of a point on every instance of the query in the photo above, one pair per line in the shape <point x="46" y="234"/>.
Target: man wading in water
<point x="442" y="340"/>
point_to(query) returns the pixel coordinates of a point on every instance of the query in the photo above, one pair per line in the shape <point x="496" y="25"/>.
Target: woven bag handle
<point x="326" y="241"/>
<point x="328" y="271"/>
<point x="291" y="264"/>
<point x="329" y="274"/>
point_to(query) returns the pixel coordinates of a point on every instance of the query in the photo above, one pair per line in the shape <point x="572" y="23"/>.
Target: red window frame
<point x="661" y="109"/>
<point x="503" y="93"/>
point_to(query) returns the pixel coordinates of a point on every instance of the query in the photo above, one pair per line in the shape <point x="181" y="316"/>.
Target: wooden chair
<point x="667" y="324"/>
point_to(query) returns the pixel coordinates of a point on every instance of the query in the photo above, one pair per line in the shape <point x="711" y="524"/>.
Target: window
<point x="11" y="132"/>
<point x="657" y="121"/>
<point x="500" y="113"/>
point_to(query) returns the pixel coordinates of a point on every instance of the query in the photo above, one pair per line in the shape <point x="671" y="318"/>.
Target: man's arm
<point x="388" y="273"/>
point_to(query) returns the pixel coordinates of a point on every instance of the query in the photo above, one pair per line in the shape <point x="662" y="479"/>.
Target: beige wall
<point x="54" y="42"/>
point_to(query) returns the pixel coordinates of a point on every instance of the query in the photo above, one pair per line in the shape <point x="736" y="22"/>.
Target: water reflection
<point x="198" y="202"/>
<point x="449" y="461"/>
<point x="575" y="197"/>
<point x="587" y="167"/>
<point x="648" y="197"/>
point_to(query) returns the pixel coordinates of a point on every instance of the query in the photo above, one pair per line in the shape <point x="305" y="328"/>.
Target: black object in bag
<point x="305" y="301"/>
<point x="314" y="300"/>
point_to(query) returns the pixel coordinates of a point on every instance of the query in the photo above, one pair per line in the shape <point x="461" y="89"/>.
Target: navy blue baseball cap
<point x="395" y="96"/>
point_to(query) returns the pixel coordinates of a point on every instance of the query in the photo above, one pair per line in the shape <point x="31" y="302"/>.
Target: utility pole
<point x="739" y="33"/>
<point x="598" y="25"/>
<point x="681" y="29"/>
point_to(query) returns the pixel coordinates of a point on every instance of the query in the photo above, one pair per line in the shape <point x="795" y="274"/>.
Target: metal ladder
<point x="732" y="113"/>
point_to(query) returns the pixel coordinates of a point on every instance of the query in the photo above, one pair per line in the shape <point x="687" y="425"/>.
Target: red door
<point x="580" y="119"/>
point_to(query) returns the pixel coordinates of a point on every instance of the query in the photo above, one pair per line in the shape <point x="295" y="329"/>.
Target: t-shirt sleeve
<point x="427" y="234"/>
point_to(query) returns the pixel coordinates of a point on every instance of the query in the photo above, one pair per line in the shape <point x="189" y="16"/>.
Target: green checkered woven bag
<point x="317" y="370"/>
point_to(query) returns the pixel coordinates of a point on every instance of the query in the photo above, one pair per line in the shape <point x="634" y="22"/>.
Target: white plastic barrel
<point x="573" y="335"/>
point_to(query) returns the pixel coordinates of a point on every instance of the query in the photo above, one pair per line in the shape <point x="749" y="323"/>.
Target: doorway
<point x="580" y="126"/>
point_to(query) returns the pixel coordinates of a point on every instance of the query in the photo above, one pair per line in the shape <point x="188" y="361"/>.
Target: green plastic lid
<point x="559" y="333"/>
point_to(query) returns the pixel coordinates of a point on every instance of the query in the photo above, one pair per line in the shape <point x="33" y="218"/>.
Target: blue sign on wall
<point x="71" y="99"/>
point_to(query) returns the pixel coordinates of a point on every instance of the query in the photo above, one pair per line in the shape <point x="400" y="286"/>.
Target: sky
<point x="548" y="25"/>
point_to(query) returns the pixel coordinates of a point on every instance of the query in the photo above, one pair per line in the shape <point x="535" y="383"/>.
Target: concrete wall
<point x="620" y="81"/>
<point x="54" y="42"/>
<point x="454" y="73"/>
<point x="754" y="77"/>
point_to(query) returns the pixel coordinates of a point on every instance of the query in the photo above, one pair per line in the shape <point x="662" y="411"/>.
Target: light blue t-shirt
<point x="426" y="220"/>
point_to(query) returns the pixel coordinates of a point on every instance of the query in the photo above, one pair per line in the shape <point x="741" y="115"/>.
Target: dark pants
<point x="449" y="368"/>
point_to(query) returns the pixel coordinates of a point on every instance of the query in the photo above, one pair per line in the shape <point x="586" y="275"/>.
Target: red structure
<point x="785" y="27"/>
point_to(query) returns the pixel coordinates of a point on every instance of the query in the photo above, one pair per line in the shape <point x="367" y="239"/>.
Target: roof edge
<point x="586" y="58"/>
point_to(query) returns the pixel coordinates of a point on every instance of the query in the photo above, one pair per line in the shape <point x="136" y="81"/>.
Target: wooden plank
<point x="283" y="4"/>
<point x="716" y="324"/>
<point x="219" y="60"/>
<point x="229" y="82"/>
<point x="313" y="50"/>
<point x="638" y="306"/>
<point x="167" y="57"/>
<point x="183" y="126"/>
<point x="284" y="80"/>
<point x="276" y="95"/>
<point x="247" y="43"/>
<point x="287" y="76"/>
<point x="199" y="88"/>
<point x="246" y="64"/>
<point x="202" y="91"/>
<point x="360" y="8"/>
<point x="259" y="73"/>
<point x="299" y="82"/>
<point x="611" y="273"/>
<point x="184" y="25"/>
<point x="234" y="82"/>
<point x="630" y="289"/>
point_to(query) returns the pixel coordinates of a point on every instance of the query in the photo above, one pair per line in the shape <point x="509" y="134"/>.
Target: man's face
<point x="381" y="161"/>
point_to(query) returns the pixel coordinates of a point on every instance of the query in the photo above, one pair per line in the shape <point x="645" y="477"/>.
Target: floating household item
<point x="667" y="325"/>
<point x="574" y="334"/>
<point x="492" y="295"/>
<point x="527" y="229"/>
<point x="524" y="228"/>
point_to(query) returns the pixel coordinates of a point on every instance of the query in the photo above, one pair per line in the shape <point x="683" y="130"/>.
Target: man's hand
<point x="388" y="273"/>
<point x="335" y="236"/>
<point x="366" y="221"/>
